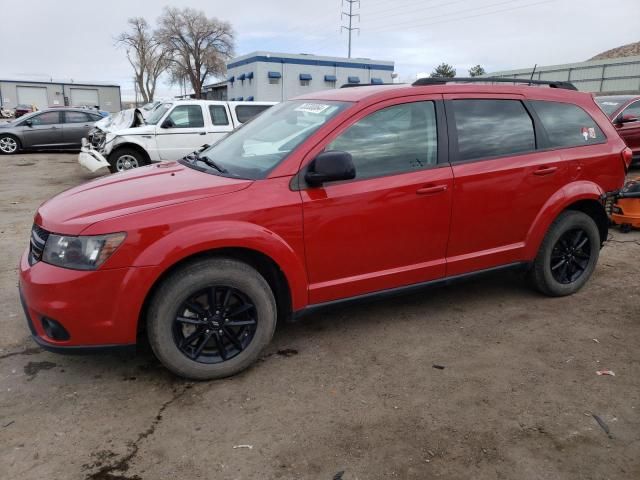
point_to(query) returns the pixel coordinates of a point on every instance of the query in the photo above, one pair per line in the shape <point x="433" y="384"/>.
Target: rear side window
<point x="393" y="140"/>
<point x="186" y="116"/>
<point x="244" y="113"/>
<point x="492" y="128"/>
<point x="567" y="125"/>
<point x="76" y="117"/>
<point x="218" y="115"/>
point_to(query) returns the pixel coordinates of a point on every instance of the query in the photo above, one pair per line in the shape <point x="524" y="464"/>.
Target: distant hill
<point x="629" y="50"/>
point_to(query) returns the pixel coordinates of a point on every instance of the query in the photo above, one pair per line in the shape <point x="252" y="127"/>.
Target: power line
<point x="393" y="27"/>
<point x="350" y="16"/>
<point x="404" y="7"/>
<point x="462" y="11"/>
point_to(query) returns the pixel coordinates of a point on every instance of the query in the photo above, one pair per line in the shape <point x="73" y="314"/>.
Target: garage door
<point x="33" y="96"/>
<point x="84" y="96"/>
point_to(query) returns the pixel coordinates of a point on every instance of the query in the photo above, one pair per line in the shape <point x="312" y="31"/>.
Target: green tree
<point x="444" y="70"/>
<point x="476" y="71"/>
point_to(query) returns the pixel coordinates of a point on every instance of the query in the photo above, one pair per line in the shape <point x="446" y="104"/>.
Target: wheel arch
<point x="596" y="210"/>
<point x="129" y="145"/>
<point x="264" y="264"/>
<point x="582" y="196"/>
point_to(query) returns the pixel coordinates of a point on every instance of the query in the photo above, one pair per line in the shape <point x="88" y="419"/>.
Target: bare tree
<point x="198" y="46"/>
<point x="145" y="54"/>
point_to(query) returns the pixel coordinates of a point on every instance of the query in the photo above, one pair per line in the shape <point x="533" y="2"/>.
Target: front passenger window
<point x="186" y="116"/>
<point x="392" y="140"/>
<point x="47" y="118"/>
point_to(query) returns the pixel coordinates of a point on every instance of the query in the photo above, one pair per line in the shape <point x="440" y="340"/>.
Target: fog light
<point x="54" y="329"/>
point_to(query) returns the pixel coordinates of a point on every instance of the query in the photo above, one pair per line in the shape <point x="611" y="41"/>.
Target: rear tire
<point x="568" y="255"/>
<point x="124" y="159"/>
<point x="9" y="144"/>
<point x="211" y="319"/>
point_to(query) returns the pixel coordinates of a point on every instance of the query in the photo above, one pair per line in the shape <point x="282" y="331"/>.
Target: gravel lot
<point x="351" y="390"/>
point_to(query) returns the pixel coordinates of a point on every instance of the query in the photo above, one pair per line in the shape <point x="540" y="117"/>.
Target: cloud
<point x="75" y="38"/>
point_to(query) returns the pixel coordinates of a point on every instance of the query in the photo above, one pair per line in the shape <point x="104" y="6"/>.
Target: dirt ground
<point x="350" y="390"/>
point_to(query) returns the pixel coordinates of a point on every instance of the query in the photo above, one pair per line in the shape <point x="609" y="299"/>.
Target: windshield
<point x="24" y="117"/>
<point x="254" y="149"/>
<point x="150" y="105"/>
<point x="158" y="114"/>
<point x="610" y="105"/>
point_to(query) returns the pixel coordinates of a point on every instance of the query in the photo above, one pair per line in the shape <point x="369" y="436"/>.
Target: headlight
<point x="81" y="253"/>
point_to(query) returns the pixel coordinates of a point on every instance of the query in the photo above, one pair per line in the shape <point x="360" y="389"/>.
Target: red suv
<point x="624" y="112"/>
<point x="333" y="196"/>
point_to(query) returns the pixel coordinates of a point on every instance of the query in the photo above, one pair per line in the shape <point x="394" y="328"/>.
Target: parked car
<point x="624" y="112"/>
<point x="22" y="109"/>
<point x="173" y="130"/>
<point x="51" y="128"/>
<point x="383" y="189"/>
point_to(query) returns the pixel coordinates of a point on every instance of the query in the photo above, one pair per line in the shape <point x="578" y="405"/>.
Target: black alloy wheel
<point x="215" y="324"/>
<point x="570" y="256"/>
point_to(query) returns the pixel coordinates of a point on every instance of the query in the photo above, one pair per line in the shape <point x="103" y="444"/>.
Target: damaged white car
<point x="173" y="130"/>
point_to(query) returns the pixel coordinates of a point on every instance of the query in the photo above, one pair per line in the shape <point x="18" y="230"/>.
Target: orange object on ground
<point x="626" y="211"/>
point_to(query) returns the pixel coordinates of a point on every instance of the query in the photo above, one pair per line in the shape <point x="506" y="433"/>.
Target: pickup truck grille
<point x="39" y="237"/>
<point x="96" y="138"/>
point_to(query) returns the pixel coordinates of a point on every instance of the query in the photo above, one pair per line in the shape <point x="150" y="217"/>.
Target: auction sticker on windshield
<point x="312" y="107"/>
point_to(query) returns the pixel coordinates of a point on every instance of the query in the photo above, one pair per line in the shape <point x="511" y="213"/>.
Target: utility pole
<point x="350" y="16"/>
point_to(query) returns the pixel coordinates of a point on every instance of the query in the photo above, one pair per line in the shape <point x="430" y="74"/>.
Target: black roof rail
<point x="444" y="81"/>
<point x="351" y="85"/>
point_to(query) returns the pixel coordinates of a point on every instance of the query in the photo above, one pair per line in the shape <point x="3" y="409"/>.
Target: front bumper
<point x="99" y="309"/>
<point x="90" y="158"/>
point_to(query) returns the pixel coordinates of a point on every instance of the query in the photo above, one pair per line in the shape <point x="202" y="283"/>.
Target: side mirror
<point x="627" y="119"/>
<point x="168" y="123"/>
<point x="330" y="166"/>
<point x="28" y="123"/>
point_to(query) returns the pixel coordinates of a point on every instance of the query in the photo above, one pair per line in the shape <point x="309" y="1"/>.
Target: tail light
<point x="627" y="157"/>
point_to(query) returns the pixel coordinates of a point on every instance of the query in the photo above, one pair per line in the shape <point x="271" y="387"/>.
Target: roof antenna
<point x="533" y="72"/>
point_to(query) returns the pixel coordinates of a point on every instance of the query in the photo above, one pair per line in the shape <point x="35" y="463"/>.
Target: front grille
<point x="96" y="138"/>
<point x="39" y="237"/>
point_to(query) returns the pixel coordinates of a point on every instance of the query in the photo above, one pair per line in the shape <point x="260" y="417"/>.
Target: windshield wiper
<point x="211" y="163"/>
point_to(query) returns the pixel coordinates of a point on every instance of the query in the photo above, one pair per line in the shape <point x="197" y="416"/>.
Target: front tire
<point x="211" y="319"/>
<point x="9" y="144"/>
<point x="568" y="255"/>
<point x="125" y="159"/>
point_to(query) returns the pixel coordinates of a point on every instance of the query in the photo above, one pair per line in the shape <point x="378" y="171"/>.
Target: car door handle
<point x="545" y="171"/>
<point x="431" y="190"/>
<point x="203" y="133"/>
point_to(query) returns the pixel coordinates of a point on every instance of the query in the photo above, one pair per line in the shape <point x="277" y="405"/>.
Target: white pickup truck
<point x="173" y="130"/>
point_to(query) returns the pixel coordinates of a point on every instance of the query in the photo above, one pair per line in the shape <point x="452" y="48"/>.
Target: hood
<point x="125" y="193"/>
<point x="141" y="130"/>
<point x="124" y="119"/>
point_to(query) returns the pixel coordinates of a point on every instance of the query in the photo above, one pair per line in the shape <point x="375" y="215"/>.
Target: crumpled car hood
<point x="141" y="189"/>
<point x="129" y="118"/>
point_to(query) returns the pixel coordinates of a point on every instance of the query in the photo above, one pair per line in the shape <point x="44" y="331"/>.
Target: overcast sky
<point x="73" y="39"/>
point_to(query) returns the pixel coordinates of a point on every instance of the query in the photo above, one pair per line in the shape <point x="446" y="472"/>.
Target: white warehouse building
<point x="59" y="94"/>
<point x="274" y="77"/>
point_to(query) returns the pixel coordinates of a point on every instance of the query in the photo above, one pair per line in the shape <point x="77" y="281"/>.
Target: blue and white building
<point x="274" y="77"/>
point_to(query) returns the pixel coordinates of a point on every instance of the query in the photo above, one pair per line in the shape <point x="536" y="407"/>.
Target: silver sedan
<point x="51" y="128"/>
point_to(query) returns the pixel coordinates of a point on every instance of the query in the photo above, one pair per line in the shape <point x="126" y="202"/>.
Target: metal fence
<point x="612" y="76"/>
